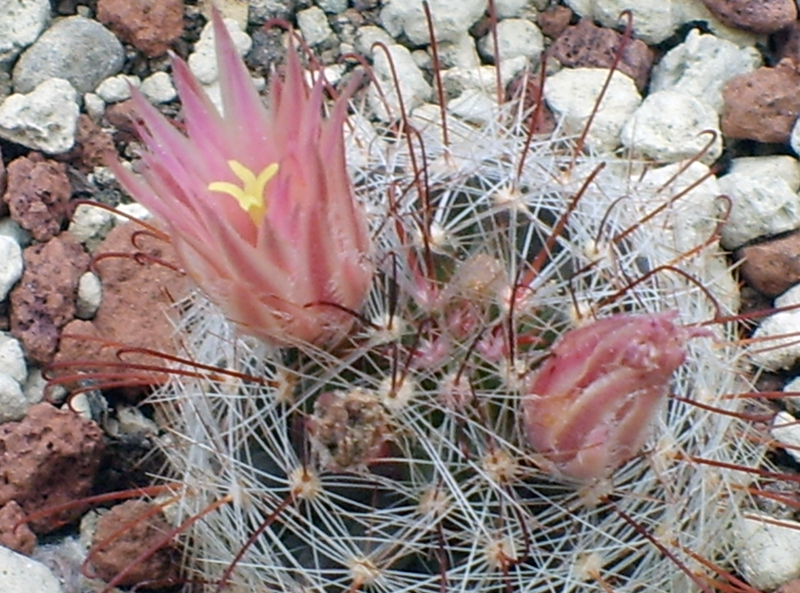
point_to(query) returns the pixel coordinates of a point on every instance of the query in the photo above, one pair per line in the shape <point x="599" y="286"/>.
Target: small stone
<point x="587" y="45"/>
<point x="413" y="86"/>
<point x="368" y="35"/>
<point x="92" y="147"/>
<point x="508" y="9"/>
<point x="37" y="386"/>
<point x="517" y="37"/>
<point x="90" y="294"/>
<point x="653" y="21"/>
<point x="20" y="573"/>
<point x="111" y="559"/>
<point x="572" y="95"/>
<point x="771" y="267"/>
<point x="90" y="225"/>
<point x="792" y="389"/>
<point x="759" y="16"/>
<point x="786" y="431"/>
<point x="12" y="358"/>
<point x="483" y="78"/>
<point x="13" y="404"/>
<point x="49" y="458"/>
<point x="474" y="106"/>
<point x="117" y="88"/>
<point x="762" y="105"/>
<point x="45" y="119"/>
<point x="203" y="61"/>
<point x="332" y="6"/>
<point x="763" y="191"/>
<point x="158" y="88"/>
<point x="77" y="49"/>
<point x="134" y="209"/>
<point x="314" y="25"/>
<point x="38" y="195"/>
<point x="701" y="65"/>
<point x="668" y="126"/>
<point x="460" y="54"/>
<point x="10" y="265"/>
<point x="773" y="351"/>
<point x="150" y="26"/>
<point x="452" y="18"/>
<point x="554" y="20"/>
<point x="44" y="301"/>
<point x="767" y="551"/>
<point x="10" y="228"/>
<point x="20" y="25"/>
<point x="13" y="534"/>
<point x="94" y="105"/>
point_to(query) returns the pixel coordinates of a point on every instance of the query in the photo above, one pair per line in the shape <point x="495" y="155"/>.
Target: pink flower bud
<point x="258" y="201"/>
<point x="589" y="406"/>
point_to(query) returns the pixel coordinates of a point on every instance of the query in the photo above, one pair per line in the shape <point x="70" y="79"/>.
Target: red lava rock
<point x="759" y="16"/>
<point x="788" y="43"/>
<point x="122" y="116"/>
<point x="528" y="83"/>
<point x="43" y="301"/>
<point x="151" y="26"/>
<point x="133" y="311"/>
<point x="37" y="194"/>
<point x="114" y="557"/>
<point x="587" y="45"/>
<point x="92" y="144"/>
<point x="553" y="20"/>
<point x="772" y="267"/>
<point x="790" y="587"/>
<point x="762" y="105"/>
<point x="48" y="459"/>
<point x="22" y="539"/>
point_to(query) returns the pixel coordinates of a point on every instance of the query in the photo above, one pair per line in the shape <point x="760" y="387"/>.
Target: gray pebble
<point x="76" y="49"/>
<point x="314" y="25"/>
<point x="20" y="25"/>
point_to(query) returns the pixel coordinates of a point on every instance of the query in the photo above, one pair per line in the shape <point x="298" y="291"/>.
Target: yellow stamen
<point x="251" y="194"/>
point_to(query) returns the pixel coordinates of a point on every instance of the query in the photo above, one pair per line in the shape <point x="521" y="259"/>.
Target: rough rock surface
<point x="44" y="300"/>
<point x="762" y="105"/>
<point x="92" y="144"/>
<point x="21" y="539"/>
<point x="20" y="25"/>
<point x="114" y="557"/>
<point x="759" y="16"/>
<point x="151" y="26"/>
<point x="47" y="459"/>
<point x="136" y="297"/>
<point x="37" y="195"/>
<point x="554" y="20"/>
<point x="772" y="267"/>
<point x="587" y="45"/>
<point x="76" y="49"/>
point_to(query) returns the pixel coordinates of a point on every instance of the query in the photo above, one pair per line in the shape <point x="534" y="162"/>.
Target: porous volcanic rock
<point x="48" y="459"/>
<point x="151" y="26"/>
<point x="21" y="539"/>
<point x="44" y="299"/>
<point x="37" y="194"/>
<point x="772" y="267"/>
<point x="759" y="16"/>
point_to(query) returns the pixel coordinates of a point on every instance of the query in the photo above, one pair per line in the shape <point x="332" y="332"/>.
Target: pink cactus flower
<point x="258" y="202"/>
<point x="589" y="406"/>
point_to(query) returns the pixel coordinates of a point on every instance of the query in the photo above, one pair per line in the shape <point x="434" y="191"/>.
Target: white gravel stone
<point x="764" y="195"/>
<point x="314" y="25"/>
<point x="701" y="65"/>
<point x="13" y="404"/>
<point x="668" y="126"/>
<point x="452" y="18"/>
<point x="158" y="88"/>
<point x="786" y="431"/>
<point x="12" y="358"/>
<point x="774" y="352"/>
<point x="572" y="95"/>
<point x="793" y="401"/>
<point x="36" y="386"/>
<point x="90" y="294"/>
<point x="460" y="53"/>
<point x="794" y="139"/>
<point x="95" y="106"/>
<point x="510" y="8"/>
<point x="369" y="35"/>
<point x="767" y="552"/>
<point x="20" y="25"/>
<point x="10" y="265"/>
<point x="653" y="20"/>
<point x="116" y="89"/>
<point x="134" y="209"/>
<point x="474" y="106"/>
<point x="413" y="87"/>
<point x="203" y="61"/>
<point x="332" y="6"/>
<point x="90" y="225"/>
<point x="45" y="119"/>
<point x="20" y="573"/>
<point x="457" y="80"/>
<point x="517" y="37"/>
